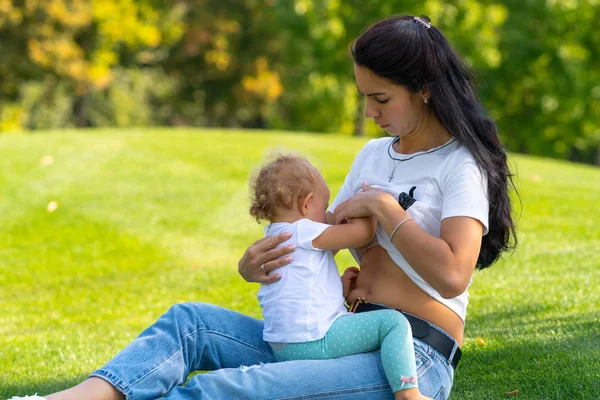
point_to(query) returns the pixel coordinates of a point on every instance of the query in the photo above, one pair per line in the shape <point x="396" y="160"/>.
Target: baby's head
<point x="288" y="188"/>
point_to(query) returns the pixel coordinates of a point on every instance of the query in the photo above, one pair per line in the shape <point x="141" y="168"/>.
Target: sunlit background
<point x="284" y="64"/>
<point x="123" y="190"/>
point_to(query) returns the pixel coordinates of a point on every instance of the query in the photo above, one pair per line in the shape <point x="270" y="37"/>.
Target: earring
<point x="425" y="100"/>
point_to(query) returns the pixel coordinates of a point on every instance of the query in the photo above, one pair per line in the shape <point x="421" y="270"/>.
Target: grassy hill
<point x="148" y="218"/>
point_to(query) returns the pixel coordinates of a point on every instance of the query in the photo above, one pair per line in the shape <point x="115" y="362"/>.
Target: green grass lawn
<point x="148" y="218"/>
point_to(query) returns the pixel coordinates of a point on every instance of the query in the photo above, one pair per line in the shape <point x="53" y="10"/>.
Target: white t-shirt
<point x="448" y="184"/>
<point x="302" y="305"/>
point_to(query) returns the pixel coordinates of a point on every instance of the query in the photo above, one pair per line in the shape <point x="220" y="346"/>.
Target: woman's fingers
<point x="267" y="243"/>
<point x="262" y="257"/>
<point x="359" y="205"/>
<point x="279" y="260"/>
<point x="269" y="257"/>
<point x="268" y="279"/>
<point x="263" y="250"/>
<point x="274" y="258"/>
<point x="340" y="212"/>
<point x="273" y="265"/>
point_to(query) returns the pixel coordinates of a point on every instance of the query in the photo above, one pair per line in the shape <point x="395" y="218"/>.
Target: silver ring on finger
<point x="263" y="269"/>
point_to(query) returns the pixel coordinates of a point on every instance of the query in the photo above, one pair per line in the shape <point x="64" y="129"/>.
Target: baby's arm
<point x="355" y="233"/>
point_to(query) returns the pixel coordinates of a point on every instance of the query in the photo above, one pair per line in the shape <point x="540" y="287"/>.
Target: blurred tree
<point x="71" y="48"/>
<point x="545" y="93"/>
<point x="226" y="63"/>
<point x="285" y="64"/>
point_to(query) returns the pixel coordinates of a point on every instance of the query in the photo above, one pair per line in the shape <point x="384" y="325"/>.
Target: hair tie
<point x="423" y="20"/>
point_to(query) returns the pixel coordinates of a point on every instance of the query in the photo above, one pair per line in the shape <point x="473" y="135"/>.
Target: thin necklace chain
<point x="400" y="160"/>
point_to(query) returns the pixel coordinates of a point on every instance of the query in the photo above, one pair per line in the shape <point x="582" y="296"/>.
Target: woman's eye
<point x="381" y="101"/>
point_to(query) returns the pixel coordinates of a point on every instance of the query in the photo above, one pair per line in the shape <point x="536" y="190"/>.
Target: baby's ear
<point x="303" y="203"/>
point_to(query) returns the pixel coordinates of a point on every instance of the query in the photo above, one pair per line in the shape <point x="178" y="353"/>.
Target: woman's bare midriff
<point x="382" y="281"/>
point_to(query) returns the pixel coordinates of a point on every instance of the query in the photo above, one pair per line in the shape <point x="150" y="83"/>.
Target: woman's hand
<point x="262" y="257"/>
<point x="361" y="204"/>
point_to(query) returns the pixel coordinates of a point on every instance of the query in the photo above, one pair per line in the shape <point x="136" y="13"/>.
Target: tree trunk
<point x="80" y="112"/>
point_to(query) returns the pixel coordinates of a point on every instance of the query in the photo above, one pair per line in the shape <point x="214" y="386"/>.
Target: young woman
<point x="439" y="189"/>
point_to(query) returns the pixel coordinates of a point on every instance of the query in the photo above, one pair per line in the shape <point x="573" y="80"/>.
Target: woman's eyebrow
<point x="370" y="94"/>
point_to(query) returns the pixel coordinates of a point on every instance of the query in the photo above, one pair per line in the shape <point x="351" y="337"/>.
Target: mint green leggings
<point x="361" y="333"/>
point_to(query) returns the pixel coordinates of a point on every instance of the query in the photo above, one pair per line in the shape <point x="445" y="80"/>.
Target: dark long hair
<point x="408" y="53"/>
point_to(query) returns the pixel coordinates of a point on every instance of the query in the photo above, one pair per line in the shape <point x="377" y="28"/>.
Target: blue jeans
<point x="197" y="336"/>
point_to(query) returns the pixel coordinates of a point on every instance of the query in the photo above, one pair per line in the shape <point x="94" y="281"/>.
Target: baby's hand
<point x="348" y="280"/>
<point x="359" y="293"/>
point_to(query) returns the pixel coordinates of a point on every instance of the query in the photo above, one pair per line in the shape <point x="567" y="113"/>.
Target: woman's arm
<point x="446" y="263"/>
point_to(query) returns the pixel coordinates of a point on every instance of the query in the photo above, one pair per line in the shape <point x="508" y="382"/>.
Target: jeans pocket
<point x="423" y="360"/>
<point x="435" y="380"/>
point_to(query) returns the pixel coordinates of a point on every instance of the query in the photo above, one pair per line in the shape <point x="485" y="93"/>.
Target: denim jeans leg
<point x="195" y="336"/>
<point x="359" y="376"/>
<point x="353" y="377"/>
<point x="189" y="337"/>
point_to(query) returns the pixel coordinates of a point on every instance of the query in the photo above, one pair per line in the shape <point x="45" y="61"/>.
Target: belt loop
<point x="453" y="352"/>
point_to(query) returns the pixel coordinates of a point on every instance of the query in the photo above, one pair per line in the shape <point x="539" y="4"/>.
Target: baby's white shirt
<point x="448" y="183"/>
<point x="302" y="306"/>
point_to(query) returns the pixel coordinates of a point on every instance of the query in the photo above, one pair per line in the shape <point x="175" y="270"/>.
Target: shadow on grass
<point x="544" y="358"/>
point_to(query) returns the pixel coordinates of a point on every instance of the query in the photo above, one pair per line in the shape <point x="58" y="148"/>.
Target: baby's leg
<point x="364" y="332"/>
<point x="390" y="330"/>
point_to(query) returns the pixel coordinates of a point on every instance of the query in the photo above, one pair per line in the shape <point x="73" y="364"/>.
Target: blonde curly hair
<point x="279" y="183"/>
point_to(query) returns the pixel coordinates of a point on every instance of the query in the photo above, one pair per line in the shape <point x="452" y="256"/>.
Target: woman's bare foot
<point x="90" y="389"/>
<point x="410" y="394"/>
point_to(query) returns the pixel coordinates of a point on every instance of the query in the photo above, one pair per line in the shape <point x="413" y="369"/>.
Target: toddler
<point x="304" y="313"/>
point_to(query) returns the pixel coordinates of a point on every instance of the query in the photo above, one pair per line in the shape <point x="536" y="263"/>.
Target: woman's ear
<point x="425" y="93"/>
<point x="303" y="203"/>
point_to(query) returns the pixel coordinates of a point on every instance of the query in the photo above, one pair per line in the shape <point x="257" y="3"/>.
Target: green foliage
<point x="47" y="104"/>
<point x="146" y="219"/>
<point x="76" y="45"/>
<point x="136" y="98"/>
<point x="286" y="64"/>
<point x="545" y="94"/>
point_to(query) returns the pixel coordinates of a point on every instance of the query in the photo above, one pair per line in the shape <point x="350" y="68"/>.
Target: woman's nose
<point x="371" y="110"/>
